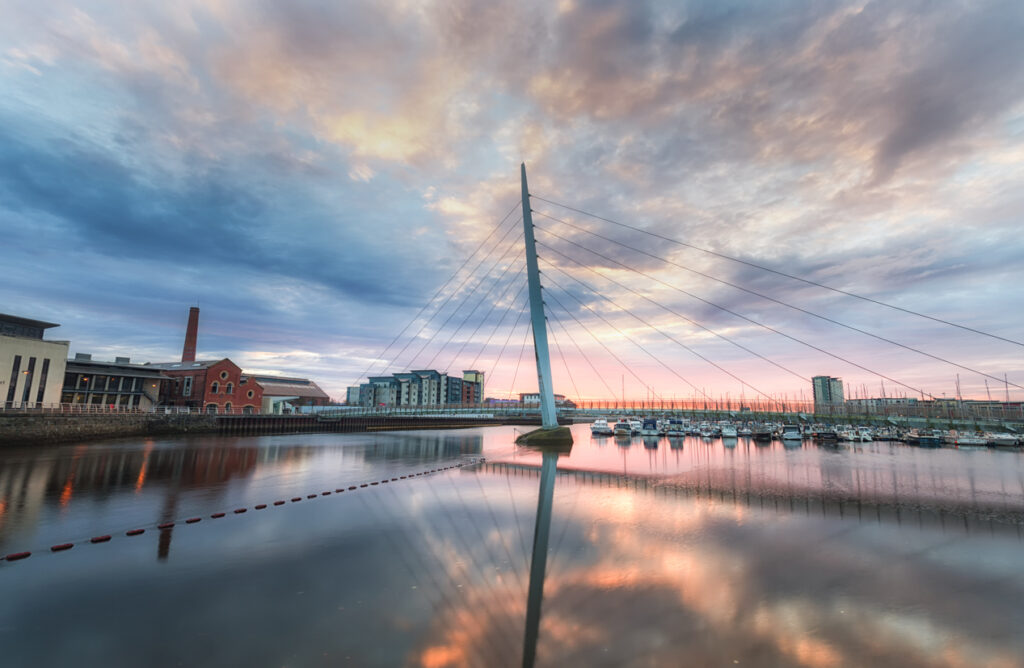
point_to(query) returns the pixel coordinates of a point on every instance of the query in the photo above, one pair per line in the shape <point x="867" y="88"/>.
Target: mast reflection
<point x="539" y="559"/>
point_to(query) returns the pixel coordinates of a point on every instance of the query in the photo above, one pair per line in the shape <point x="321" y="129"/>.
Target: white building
<point x="31" y="369"/>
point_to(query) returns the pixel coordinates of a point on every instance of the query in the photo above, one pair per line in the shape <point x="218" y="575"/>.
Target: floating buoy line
<point x="164" y="526"/>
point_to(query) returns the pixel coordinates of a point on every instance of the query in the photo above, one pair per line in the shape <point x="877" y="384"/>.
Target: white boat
<point x="966" y="439"/>
<point x="650" y="427"/>
<point x="864" y="435"/>
<point x="635" y="426"/>
<point x="745" y="431"/>
<point x="791" y="432"/>
<point x="600" y="427"/>
<point x="676" y="428"/>
<point x="623" y="428"/>
<point x="1003" y="439"/>
<point x="729" y="431"/>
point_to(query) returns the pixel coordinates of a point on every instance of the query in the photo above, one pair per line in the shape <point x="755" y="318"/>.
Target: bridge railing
<point x="780" y="410"/>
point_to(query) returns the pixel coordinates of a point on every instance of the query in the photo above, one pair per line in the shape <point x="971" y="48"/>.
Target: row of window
<point x="29" y="373"/>
<point x="122" y="400"/>
<point x="100" y="382"/>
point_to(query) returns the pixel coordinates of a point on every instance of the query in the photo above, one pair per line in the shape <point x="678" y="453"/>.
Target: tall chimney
<point x="188" y="354"/>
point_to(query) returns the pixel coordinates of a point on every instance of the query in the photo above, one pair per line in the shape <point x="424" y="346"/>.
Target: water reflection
<point x="686" y="553"/>
<point x="56" y="492"/>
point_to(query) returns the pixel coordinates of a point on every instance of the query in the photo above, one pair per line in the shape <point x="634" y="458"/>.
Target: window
<point x="214" y="387"/>
<point x="186" y="390"/>
<point x="211" y="408"/>
<point x="223" y="375"/>
<point x="229" y="388"/>
<point x="227" y="408"/>
<point x="250" y="394"/>
<point x="42" y="381"/>
<point x="29" y="375"/>
<point x="15" y="368"/>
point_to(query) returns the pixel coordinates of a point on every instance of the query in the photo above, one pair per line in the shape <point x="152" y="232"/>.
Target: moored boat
<point x="600" y="427"/>
<point x="791" y="432"/>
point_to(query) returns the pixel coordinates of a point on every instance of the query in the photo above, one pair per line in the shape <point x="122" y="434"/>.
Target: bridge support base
<point x="557" y="438"/>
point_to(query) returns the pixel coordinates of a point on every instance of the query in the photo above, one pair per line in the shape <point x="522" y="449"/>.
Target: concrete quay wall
<point x="40" y="428"/>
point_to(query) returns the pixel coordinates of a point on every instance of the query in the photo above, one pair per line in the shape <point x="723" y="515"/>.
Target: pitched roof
<point x="179" y="366"/>
<point x="290" y="388"/>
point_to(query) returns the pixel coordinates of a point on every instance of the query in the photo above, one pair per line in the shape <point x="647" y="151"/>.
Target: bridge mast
<point x="549" y="420"/>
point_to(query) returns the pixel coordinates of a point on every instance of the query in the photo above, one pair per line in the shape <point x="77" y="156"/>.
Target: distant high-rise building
<point x="473" y="386"/>
<point x="828" y="391"/>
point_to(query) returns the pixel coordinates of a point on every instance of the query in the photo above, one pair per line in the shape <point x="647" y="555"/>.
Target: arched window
<point x="215" y="387"/>
<point x="248" y="410"/>
<point x="229" y="388"/>
<point x="227" y="408"/>
<point x="211" y="408"/>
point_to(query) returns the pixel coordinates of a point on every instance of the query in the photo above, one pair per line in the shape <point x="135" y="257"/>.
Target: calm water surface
<point x="664" y="553"/>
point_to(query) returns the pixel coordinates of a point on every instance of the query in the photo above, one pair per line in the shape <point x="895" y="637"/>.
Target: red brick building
<point x="213" y="386"/>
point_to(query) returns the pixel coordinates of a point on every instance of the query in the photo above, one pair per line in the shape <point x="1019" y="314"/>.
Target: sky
<point x="311" y="174"/>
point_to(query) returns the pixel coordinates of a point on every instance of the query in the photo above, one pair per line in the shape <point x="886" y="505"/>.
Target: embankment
<point x="35" y="428"/>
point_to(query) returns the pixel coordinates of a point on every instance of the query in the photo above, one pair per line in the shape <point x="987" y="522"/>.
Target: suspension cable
<point x="494" y="304"/>
<point x="750" y="320"/>
<point x="572" y="338"/>
<point x="772" y="299"/>
<point x="495" y="283"/>
<point x="459" y="305"/>
<point x="507" y="339"/>
<point x="666" y="335"/>
<point x="566" y="364"/>
<point x="641" y="347"/>
<point x="607" y="349"/>
<point x="782" y="273"/>
<point x="439" y="290"/>
<point x="512" y="302"/>
<point x="670" y="310"/>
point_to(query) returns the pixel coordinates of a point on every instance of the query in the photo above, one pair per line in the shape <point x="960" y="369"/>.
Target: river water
<point x="661" y="553"/>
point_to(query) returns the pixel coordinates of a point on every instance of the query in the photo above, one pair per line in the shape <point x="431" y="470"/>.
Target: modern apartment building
<point x="828" y="392"/>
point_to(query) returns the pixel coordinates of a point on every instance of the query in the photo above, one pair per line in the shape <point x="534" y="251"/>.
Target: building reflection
<point x="38" y="484"/>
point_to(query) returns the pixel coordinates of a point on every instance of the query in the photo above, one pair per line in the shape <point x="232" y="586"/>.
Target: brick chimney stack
<point x="188" y="353"/>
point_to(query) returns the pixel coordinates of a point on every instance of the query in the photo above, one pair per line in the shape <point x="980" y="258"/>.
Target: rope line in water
<point x="166" y="525"/>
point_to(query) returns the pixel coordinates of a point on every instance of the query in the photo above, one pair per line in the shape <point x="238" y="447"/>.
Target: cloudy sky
<point x="312" y="173"/>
